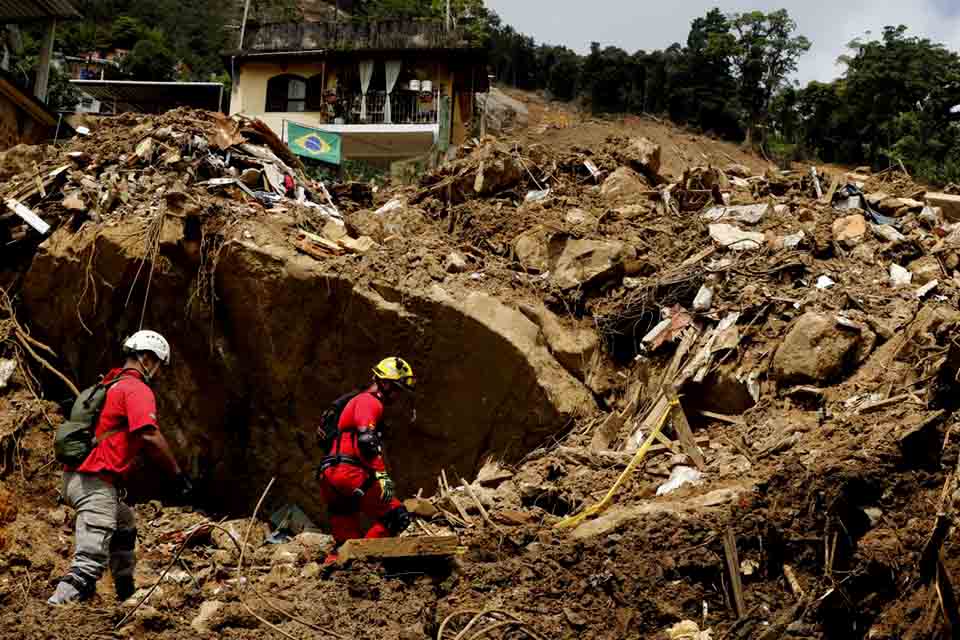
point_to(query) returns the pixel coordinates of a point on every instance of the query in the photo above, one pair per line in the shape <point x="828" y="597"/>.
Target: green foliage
<point x="150" y="59"/>
<point x="723" y="80"/>
<point x="893" y="104"/>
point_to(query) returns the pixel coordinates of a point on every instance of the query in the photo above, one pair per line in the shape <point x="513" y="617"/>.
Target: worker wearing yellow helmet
<point x="353" y="476"/>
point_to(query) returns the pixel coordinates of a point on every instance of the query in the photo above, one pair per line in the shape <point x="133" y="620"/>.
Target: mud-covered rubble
<point x="795" y="352"/>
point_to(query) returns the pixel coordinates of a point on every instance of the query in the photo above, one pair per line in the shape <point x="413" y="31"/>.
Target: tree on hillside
<point x="150" y="59"/>
<point x="765" y="54"/>
<point x="705" y="91"/>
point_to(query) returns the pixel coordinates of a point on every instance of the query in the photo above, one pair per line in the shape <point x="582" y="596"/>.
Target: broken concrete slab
<point x="815" y="350"/>
<point x="746" y="214"/>
<point x="576" y="263"/>
<point x="735" y="238"/>
<point x="948" y="203"/>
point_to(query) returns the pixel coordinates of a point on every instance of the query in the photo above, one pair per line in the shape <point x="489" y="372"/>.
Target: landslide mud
<point x="250" y="379"/>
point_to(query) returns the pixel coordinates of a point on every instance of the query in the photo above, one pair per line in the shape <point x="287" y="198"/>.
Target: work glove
<point x="183" y="487"/>
<point x="386" y="486"/>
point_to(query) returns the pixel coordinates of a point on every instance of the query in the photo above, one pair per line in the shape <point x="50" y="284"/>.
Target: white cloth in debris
<point x="392" y="69"/>
<point x="366" y="74"/>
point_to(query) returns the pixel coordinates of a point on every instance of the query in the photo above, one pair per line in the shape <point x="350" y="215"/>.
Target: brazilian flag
<point x="314" y="143"/>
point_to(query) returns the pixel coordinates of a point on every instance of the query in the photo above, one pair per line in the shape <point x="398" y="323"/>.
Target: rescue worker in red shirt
<point x="106" y="533"/>
<point x="353" y="478"/>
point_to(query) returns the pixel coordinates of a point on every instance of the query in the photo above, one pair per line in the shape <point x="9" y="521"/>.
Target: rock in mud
<point x="623" y="185"/>
<point x="455" y="262"/>
<point x="573" y="348"/>
<point x="816" y="350"/>
<point x="925" y="269"/>
<point x="850" y="231"/>
<point x="576" y="263"/>
<point x="238" y="532"/>
<point x="643" y="155"/>
<point x="531" y="250"/>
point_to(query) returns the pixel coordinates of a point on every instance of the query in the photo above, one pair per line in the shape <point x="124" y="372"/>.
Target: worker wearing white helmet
<point x="126" y="425"/>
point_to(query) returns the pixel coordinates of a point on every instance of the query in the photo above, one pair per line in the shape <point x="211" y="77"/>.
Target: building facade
<point x="392" y="89"/>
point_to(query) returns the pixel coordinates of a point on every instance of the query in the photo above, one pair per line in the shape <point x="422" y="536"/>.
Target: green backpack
<point x="75" y="439"/>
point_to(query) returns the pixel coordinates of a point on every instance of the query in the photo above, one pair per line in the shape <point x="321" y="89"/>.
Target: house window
<point x="286" y="93"/>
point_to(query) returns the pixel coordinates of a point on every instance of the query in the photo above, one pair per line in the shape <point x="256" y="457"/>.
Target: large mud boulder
<point x="576" y="263"/>
<point x="623" y="186"/>
<point x="816" y="350"/>
<point x="502" y="112"/>
<point x="644" y="156"/>
<point x="253" y="374"/>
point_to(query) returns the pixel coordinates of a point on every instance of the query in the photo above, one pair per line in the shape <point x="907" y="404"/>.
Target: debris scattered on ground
<point x="736" y="383"/>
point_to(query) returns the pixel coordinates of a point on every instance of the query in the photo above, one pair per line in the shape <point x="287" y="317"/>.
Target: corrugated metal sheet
<point x="152" y="97"/>
<point x="28" y="10"/>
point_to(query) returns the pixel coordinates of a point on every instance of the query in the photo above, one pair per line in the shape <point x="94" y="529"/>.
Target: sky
<point x="656" y="24"/>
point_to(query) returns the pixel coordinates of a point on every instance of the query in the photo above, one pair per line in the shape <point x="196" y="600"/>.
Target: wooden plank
<point x="408" y="547"/>
<point x="733" y="572"/>
<point x="28" y="216"/>
<point x="685" y="435"/>
<point x="722" y="417"/>
<point x="834" y="185"/>
<point x="648" y="423"/>
<point x="793" y="582"/>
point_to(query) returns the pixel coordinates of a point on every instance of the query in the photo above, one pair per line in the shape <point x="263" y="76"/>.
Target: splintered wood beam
<point x="409" y="547"/>
<point x="733" y="572"/>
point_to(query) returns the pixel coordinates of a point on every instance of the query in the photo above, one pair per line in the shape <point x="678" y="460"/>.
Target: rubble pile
<point x="710" y="403"/>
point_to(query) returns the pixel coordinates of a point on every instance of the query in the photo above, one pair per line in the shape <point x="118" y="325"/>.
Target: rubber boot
<point x="124" y="587"/>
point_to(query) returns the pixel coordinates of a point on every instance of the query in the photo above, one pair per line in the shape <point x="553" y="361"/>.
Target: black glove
<point x="183" y="486"/>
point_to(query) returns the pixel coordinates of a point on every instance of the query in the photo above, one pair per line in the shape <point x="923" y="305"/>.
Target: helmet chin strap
<point x="147" y="372"/>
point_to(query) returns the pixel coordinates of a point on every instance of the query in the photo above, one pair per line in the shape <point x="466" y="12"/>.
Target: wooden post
<point x="685" y="433"/>
<point x="243" y="24"/>
<point x="733" y="572"/>
<point x="41" y="87"/>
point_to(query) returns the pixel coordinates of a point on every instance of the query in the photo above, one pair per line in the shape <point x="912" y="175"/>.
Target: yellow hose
<point x="574" y="520"/>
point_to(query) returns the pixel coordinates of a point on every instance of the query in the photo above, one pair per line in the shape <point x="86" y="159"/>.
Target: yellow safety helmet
<point x="395" y="370"/>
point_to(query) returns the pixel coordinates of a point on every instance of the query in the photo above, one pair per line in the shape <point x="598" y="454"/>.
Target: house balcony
<point x="406" y="108"/>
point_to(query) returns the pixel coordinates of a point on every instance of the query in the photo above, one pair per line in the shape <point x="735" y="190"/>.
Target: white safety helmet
<point x="148" y="341"/>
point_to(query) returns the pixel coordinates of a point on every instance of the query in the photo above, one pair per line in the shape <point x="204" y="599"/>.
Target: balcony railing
<point x="377" y="35"/>
<point x="407" y="107"/>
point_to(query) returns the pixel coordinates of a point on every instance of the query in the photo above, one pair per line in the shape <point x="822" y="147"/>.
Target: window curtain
<point x="366" y="74"/>
<point x="393" y="72"/>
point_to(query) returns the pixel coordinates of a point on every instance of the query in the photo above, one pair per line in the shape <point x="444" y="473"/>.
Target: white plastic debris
<point x="7" y="367"/>
<point x="537" y="196"/>
<point x="747" y="214"/>
<point x="824" y="282"/>
<point x="793" y="240"/>
<point x="83" y="131"/>
<point x="888" y="233"/>
<point x="704" y="299"/>
<point x="680" y="476"/>
<point x="393" y="205"/>
<point x="927" y="288"/>
<point x="899" y="277"/>
<point x="732" y="237"/>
